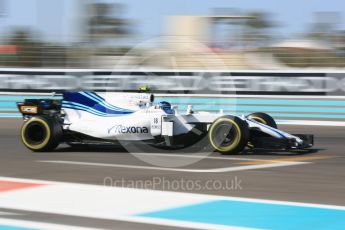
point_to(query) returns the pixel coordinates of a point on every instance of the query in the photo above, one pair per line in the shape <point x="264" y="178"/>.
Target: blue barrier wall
<point x="304" y="108"/>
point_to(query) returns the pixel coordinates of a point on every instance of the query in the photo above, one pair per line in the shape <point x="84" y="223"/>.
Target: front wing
<point x="263" y="142"/>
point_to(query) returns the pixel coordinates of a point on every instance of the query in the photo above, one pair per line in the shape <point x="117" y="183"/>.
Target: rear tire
<point x="263" y="118"/>
<point x="41" y="134"/>
<point x="228" y="134"/>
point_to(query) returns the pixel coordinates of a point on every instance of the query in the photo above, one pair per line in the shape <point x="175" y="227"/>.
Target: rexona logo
<point x="128" y="129"/>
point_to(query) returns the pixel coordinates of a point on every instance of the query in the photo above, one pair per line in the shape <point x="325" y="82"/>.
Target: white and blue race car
<point x="92" y="118"/>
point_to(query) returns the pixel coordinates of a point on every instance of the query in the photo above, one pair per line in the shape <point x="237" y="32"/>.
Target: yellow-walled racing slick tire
<point x="263" y="118"/>
<point x="228" y="134"/>
<point x="41" y="133"/>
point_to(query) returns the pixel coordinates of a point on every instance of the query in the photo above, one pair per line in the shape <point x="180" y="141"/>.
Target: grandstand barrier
<point x="289" y="95"/>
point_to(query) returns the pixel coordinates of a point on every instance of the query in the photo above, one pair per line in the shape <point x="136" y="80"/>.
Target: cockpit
<point x="166" y="107"/>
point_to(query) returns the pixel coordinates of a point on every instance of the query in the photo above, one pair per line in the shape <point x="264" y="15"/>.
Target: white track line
<point x="9" y="214"/>
<point x="135" y="219"/>
<point x="201" y="157"/>
<point x="37" y="225"/>
<point x="180" y="224"/>
<point x="214" y="170"/>
<point x="311" y="123"/>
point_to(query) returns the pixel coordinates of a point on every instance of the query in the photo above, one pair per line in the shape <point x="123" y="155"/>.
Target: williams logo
<point x="120" y="129"/>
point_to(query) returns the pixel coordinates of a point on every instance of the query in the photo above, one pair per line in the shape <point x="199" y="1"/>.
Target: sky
<point x="57" y="20"/>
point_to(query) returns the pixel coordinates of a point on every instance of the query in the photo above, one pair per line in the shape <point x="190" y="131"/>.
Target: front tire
<point x="263" y="118"/>
<point x="41" y="134"/>
<point x="229" y="134"/>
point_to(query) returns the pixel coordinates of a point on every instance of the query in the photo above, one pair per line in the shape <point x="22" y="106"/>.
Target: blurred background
<point x="175" y="34"/>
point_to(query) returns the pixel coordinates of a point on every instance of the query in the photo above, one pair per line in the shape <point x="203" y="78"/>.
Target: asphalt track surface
<point x="320" y="181"/>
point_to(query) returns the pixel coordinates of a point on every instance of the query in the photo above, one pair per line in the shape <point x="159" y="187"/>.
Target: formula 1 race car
<point x="132" y="117"/>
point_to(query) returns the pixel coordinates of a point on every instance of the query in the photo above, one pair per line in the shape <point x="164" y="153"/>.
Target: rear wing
<point x="33" y="107"/>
